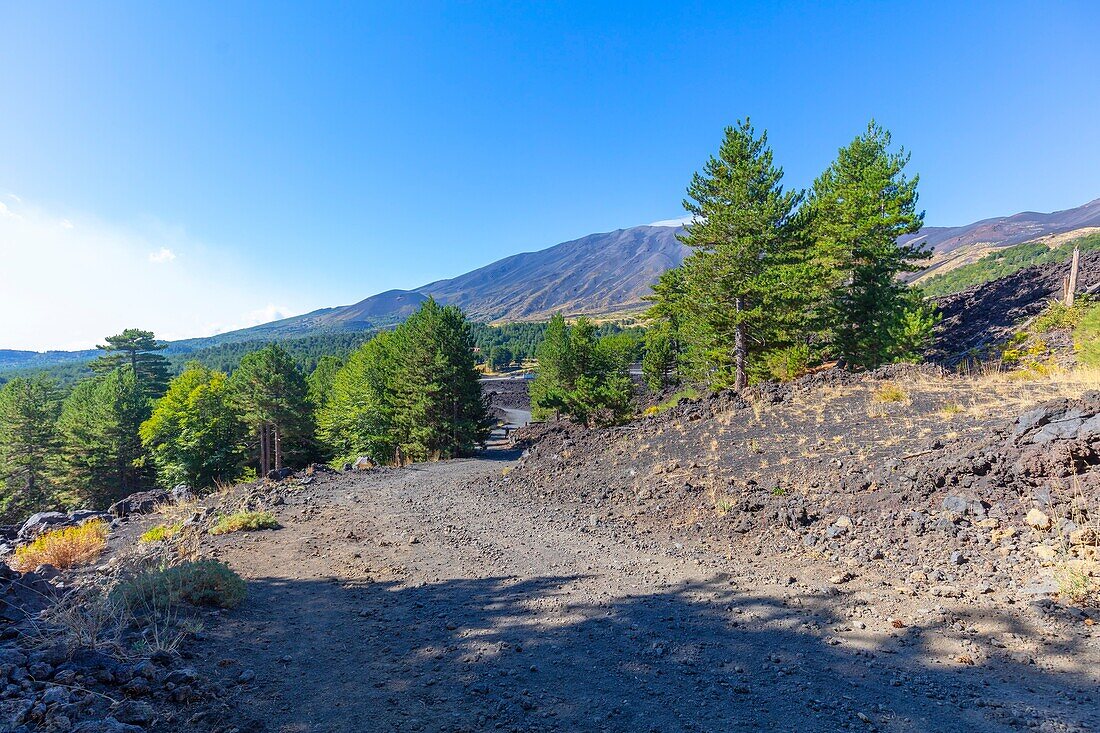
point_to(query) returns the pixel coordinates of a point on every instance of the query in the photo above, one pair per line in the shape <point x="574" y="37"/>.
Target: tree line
<point x="780" y="280"/>
<point x="404" y="395"/>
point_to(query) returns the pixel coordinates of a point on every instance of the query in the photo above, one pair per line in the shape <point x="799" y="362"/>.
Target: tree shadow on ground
<point x="507" y="654"/>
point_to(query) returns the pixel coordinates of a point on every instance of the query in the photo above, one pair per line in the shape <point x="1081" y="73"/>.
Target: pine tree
<point x="29" y="408"/>
<point x="557" y="374"/>
<point x="136" y="349"/>
<point x="103" y="458"/>
<point x="659" y="364"/>
<point x="859" y="207"/>
<point x="438" y="409"/>
<point x="273" y="397"/>
<point x="743" y="231"/>
<point x="196" y="434"/>
<point x="320" y="380"/>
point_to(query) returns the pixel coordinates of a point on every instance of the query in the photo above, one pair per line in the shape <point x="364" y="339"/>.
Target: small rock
<point x="1038" y="519"/>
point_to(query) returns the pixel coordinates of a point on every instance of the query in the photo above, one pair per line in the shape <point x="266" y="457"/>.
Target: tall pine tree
<point x="859" y="207"/>
<point x="745" y="237"/>
<point x="137" y="350"/>
<point x="29" y="408"/>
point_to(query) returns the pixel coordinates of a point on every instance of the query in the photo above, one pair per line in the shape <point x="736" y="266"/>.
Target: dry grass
<point x="891" y="392"/>
<point x="244" y="521"/>
<point x="63" y="548"/>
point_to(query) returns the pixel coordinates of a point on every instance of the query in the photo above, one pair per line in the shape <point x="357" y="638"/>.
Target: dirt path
<point x="416" y="600"/>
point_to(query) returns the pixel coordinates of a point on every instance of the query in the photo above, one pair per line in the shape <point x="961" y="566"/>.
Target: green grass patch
<point x="161" y="532"/>
<point x="1086" y="337"/>
<point x="1004" y="262"/>
<point x="688" y="393"/>
<point x="244" y="522"/>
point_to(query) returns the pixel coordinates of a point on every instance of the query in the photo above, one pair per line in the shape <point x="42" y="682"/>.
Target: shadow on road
<point x="507" y="654"/>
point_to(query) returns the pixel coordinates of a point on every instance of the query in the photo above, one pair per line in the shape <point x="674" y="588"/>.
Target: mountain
<point x="956" y="246"/>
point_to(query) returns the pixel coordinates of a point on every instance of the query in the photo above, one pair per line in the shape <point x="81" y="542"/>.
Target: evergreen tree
<point x="29" y="408"/>
<point x="859" y="207"/>
<point x="273" y="398"/>
<point x="137" y="350"/>
<point x="103" y="458"/>
<point x="744" y="233"/>
<point x="196" y="434"/>
<point x="438" y="409"/>
<point x="581" y="376"/>
<point x="357" y="417"/>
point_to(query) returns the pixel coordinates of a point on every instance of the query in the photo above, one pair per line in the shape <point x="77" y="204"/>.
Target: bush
<point x="161" y="532"/>
<point x="63" y="548"/>
<point x="1057" y="316"/>
<point x="200" y="583"/>
<point x="788" y="363"/>
<point x="891" y="392"/>
<point x="244" y="522"/>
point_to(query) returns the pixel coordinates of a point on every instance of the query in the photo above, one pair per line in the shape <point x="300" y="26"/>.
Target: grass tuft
<point x="891" y="392"/>
<point x="200" y="583"/>
<point x="244" y="522"/>
<point x="63" y="548"/>
<point x="161" y="532"/>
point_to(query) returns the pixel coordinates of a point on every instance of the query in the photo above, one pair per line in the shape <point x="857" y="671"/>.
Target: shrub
<point x="200" y="583"/>
<point x="1057" y="316"/>
<point x="161" y="532"/>
<point x="788" y="363"/>
<point x="63" y="548"/>
<point x="244" y="522"/>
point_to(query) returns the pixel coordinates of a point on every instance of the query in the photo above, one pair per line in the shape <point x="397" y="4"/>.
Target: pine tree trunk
<point x="278" y="449"/>
<point x="740" y="353"/>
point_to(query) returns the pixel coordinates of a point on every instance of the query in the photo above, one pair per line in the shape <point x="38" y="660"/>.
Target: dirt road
<point x="421" y="599"/>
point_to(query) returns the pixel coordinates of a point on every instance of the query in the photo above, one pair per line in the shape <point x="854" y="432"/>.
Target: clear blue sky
<point x="315" y="153"/>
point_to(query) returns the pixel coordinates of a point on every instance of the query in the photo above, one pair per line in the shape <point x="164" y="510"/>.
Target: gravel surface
<point x="429" y="598"/>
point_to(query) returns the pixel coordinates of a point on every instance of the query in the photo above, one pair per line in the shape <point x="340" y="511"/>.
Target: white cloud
<point x="671" y="222"/>
<point x="162" y="255"/>
<point x="66" y="282"/>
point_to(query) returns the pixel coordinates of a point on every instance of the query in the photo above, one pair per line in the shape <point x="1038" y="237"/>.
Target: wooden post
<point x="1071" y="284"/>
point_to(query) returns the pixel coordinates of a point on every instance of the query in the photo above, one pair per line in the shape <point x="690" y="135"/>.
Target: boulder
<point x="181" y="493"/>
<point x="41" y="522"/>
<point x="278" y="474"/>
<point x="362" y="463"/>
<point x="1038" y="519"/>
<point x="143" y="502"/>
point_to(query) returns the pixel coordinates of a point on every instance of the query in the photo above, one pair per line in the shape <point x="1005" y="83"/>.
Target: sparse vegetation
<point x="200" y="583"/>
<point x="161" y="532"/>
<point x="891" y="392"/>
<point x="1086" y="338"/>
<point x="244" y="521"/>
<point x="63" y="548"/>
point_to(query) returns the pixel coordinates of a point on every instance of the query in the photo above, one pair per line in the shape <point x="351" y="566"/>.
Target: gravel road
<point x="425" y="599"/>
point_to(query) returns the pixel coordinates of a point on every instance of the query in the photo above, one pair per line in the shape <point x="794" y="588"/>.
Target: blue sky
<point x="251" y="160"/>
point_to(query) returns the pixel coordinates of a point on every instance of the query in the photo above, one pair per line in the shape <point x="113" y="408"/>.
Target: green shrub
<point x="161" y="532"/>
<point x="244" y="522"/>
<point x="789" y="363"/>
<point x="200" y="583"/>
<point x="1057" y="316"/>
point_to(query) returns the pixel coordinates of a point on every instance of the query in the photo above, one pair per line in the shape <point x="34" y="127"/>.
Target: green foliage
<point x="320" y="380"/>
<point x="500" y="357"/>
<point x="103" y="457"/>
<point x="29" y="408"/>
<point x="357" y="418"/>
<point x="411" y="394"/>
<point x="244" y="521"/>
<point x="200" y="583"/>
<point x="912" y="329"/>
<point x="786" y="363"/>
<point x="161" y="532"/>
<point x="857" y="210"/>
<point x="737" y="284"/>
<point x="437" y="407"/>
<point x="662" y="349"/>
<point x="688" y="393"/>
<point x="195" y="433"/>
<point x="272" y="395"/>
<point x="1086" y="337"/>
<point x="1058" y="316"/>
<point x="581" y="375"/>
<point x="137" y="350"/>
<point x="1005" y="262"/>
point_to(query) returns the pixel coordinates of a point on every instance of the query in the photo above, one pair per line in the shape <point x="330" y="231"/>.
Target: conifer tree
<point x="136" y="349"/>
<point x="438" y="409"/>
<point x="556" y="374"/>
<point x="29" y="408"/>
<point x="321" y="378"/>
<point x="859" y="208"/>
<point x="103" y="458"/>
<point x="743" y="231"/>
<point x="273" y="397"/>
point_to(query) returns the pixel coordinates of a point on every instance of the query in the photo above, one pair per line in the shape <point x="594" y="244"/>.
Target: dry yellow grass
<point x="63" y="548"/>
